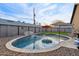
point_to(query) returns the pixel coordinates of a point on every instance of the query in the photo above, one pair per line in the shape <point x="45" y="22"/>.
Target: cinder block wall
<point x="3" y="31"/>
<point x="8" y="30"/>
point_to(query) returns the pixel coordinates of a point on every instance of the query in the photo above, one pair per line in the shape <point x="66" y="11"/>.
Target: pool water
<point x="35" y="42"/>
<point x="25" y="41"/>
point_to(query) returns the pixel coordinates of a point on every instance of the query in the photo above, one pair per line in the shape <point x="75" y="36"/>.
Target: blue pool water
<point x="25" y="41"/>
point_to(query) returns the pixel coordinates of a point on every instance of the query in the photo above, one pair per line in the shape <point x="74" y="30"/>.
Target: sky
<point x="46" y="13"/>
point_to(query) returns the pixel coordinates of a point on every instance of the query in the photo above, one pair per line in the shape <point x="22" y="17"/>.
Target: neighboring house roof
<point x="16" y="23"/>
<point x="57" y="22"/>
<point x="62" y="24"/>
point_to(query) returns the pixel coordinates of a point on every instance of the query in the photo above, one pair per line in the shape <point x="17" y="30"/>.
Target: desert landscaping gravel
<point x="62" y="51"/>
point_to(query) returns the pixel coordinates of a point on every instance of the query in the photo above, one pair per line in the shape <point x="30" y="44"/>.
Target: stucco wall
<point x="75" y="21"/>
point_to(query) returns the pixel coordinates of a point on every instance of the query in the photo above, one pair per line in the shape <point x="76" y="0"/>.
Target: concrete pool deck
<point x="69" y="43"/>
<point x="67" y="49"/>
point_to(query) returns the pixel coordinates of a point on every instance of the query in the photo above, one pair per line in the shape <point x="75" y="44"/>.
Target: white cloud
<point x="41" y="12"/>
<point x="41" y="17"/>
<point x="64" y="15"/>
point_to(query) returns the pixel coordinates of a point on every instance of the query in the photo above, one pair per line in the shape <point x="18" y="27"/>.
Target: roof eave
<point x="74" y="10"/>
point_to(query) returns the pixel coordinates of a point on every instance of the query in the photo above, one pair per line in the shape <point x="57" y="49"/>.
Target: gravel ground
<point x="62" y="51"/>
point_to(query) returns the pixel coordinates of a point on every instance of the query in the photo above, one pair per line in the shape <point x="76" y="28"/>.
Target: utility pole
<point x="34" y="16"/>
<point x="34" y="21"/>
<point x="35" y="27"/>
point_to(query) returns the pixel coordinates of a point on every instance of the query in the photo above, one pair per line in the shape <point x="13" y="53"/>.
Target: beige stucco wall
<point x="75" y="21"/>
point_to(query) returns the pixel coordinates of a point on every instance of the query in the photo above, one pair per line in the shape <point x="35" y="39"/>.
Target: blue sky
<point x="46" y="13"/>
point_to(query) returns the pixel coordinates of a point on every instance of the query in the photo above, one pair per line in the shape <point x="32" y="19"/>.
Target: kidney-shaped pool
<point x="36" y="43"/>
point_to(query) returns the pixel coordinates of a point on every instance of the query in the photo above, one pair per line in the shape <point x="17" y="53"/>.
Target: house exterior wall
<point x="75" y="21"/>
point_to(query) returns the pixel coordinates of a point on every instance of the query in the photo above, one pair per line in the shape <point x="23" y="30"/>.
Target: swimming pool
<point x="36" y="43"/>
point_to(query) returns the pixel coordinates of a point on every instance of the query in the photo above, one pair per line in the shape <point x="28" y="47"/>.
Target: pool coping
<point x="10" y="47"/>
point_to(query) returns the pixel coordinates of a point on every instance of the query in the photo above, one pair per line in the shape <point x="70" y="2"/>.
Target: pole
<point x="34" y="16"/>
<point x="34" y="22"/>
<point x="34" y="27"/>
<point x="59" y="33"/>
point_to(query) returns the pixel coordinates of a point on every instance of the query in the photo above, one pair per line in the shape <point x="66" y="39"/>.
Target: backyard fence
<point x="10" y="30"/>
